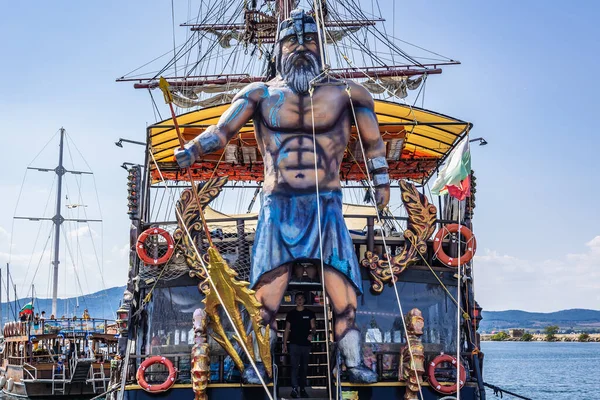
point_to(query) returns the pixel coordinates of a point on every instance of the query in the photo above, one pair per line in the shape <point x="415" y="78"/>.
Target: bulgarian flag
<point x="26" y="310"/>
<point x="454" y="177"/>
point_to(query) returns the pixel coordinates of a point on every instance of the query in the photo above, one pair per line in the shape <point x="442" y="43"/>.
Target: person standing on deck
<point x="300" y="329"/>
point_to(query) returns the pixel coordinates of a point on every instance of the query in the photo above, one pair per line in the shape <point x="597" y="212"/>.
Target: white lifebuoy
<point x="10" y="384"/>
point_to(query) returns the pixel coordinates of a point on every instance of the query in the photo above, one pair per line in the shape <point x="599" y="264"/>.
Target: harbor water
<point x="543" y="370"/>
<point x="540" y="370"/>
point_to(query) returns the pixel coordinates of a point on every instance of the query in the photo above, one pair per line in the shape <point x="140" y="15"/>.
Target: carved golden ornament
<point x="188" y="215"/>
<point x="420" y="227"/>
<point x="412" y="365"/>
<point x="200" y="356"/>
<point x="236" y="296"/>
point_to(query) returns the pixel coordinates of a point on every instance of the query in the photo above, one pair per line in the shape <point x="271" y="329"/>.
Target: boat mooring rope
<point x="500" y="391"/>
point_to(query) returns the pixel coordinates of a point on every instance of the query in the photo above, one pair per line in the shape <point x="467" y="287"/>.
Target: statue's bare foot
<point x="361" y="374"/>
<point x="251" y="377"/>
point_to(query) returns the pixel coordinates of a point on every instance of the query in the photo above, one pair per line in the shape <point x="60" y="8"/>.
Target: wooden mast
<point x="284" y="7"/>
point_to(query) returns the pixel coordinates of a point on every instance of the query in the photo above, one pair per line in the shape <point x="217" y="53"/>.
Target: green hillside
<point x="101" y="304"/>
<point x="575" y="319"/>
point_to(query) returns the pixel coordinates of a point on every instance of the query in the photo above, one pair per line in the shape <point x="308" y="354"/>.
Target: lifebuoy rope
<point x="163" y="387"/>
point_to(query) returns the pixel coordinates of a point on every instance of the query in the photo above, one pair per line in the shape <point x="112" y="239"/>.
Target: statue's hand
<point x="186" y="157"/>
<point x="382" y="196"/>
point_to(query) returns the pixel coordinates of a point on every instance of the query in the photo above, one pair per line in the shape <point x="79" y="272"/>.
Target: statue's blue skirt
<point x="288" y="230"/>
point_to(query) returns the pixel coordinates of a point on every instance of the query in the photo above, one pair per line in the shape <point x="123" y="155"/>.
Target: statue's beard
<point x="298" y="74"/>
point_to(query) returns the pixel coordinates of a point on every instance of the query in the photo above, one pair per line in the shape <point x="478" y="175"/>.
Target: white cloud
<point x="121" y="252"/>
<point x="4" y="235"/>
<point x="567" y="281"/>
<point x="82" y="231"/>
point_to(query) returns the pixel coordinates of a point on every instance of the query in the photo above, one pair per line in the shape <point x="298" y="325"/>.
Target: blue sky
<point x="527" y="82"/>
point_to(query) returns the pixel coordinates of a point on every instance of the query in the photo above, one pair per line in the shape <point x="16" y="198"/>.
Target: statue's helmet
<point x="297" y="24"/>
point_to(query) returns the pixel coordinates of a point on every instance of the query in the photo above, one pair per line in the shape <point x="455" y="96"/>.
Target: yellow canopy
<point x="416" y="141"/>
<point x="229" y="221"/>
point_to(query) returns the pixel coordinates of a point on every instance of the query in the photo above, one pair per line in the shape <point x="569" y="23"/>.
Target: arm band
<point x="373" y="164"/>
<point x="208" y="141"/>
<point x="381" y="179"/>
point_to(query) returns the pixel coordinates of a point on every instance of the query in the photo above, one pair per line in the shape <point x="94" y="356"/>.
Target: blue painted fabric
<point x="288" y="230"/>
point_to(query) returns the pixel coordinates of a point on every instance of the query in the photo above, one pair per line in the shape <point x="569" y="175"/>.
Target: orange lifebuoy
<point x="163" y="387"/>
<point x="435" y="384"/>
<point x="468" y="237"/>
<point x="141" y="248"/>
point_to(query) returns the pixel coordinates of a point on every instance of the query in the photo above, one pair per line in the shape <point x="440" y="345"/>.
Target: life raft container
<point x="163" y="387"/>
<point x="2" y="381"/>
<point x="464" y="233"/>
<point x="435" y="384"/>
<point x="141" y="247"/>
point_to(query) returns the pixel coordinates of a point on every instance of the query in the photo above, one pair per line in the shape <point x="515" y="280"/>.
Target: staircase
<point x="80" y="370"/>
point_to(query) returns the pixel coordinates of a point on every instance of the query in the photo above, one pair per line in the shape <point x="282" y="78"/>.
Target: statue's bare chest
<point x="284" y="110"/>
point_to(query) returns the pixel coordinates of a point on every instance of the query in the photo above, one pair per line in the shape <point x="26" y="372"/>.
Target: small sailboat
<point x="49" y="356"/>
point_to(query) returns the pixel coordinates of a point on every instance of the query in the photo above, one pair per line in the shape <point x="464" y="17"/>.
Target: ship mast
<point x="285" y="7"/>
<point x="58" y="219"/>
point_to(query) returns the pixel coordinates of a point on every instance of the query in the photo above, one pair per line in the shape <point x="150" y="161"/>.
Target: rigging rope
<point x="325" y="297"/>
<point x="209" y="278"/>
<point x="369" y="183"/>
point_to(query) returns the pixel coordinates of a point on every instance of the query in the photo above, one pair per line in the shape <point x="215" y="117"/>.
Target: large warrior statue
<point x="302" y="121"/>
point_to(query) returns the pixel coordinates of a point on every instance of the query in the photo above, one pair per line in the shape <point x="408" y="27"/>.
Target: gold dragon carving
<point x="234" y="294"/>
<point x="420" y="227"/>
<point x="188" y="216"/>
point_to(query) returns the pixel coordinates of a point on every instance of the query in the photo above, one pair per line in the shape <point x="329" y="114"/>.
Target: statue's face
<point x="300" y="63"/>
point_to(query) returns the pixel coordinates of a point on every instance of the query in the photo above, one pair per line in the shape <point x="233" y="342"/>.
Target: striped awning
<point x="417" y="140"/>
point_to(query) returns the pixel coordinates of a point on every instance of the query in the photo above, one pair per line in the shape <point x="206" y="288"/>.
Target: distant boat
<point x="56" y="357"/>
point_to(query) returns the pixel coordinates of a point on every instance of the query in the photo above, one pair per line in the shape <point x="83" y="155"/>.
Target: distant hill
<point x="575" y="319"/>
<point x="103" y="304"/>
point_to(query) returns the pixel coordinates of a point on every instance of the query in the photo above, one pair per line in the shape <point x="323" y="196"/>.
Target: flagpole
<point x="458" y="297"/>
<point x="458" y="315"/>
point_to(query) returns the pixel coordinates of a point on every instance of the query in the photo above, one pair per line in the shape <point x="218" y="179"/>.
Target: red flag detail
<point x="462" y="191"/>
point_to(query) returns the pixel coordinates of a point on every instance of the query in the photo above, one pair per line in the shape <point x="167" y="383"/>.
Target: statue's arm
<point x="368" y="128"/>
<point x="215" y="137"/>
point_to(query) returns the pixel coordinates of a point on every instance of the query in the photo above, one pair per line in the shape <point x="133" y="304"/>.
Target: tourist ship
<point x="50" y="356"/>
<point x="191" y="323"/>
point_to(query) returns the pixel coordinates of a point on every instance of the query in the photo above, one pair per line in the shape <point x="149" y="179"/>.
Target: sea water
<point x="543" y="370"/>
<point x="540" y="370"/>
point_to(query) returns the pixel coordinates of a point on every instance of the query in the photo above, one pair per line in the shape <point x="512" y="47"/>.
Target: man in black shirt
<point x="300" y="330"/>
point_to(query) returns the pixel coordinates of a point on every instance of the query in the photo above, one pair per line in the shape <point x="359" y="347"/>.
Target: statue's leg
<point x="270" y="289"/>
<point x="342" y="296"/>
